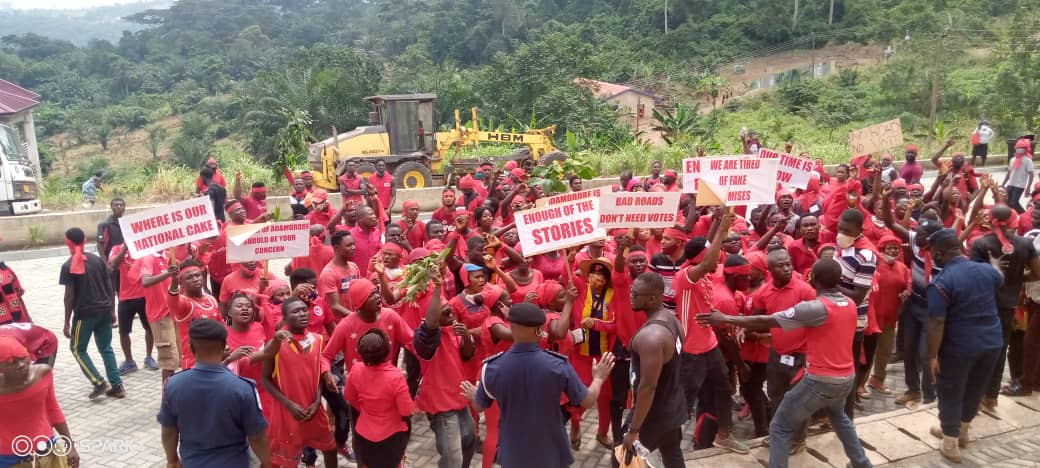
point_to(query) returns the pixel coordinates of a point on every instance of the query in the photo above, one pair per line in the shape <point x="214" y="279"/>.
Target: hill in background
<point x="78" y="26"/>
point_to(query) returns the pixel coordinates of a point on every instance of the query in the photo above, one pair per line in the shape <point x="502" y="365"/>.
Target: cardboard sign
<point x="556" y="227"/>
<point x="794" y="170"/>
<point x="638" y="209"/>
<point x="876" y="138"/>
<point x="267" y="241"/>
<point x="167" y="226"/>
<point x="711" y="194"/>
<point x="748" y="180"/>
<point x="568" y="197"/>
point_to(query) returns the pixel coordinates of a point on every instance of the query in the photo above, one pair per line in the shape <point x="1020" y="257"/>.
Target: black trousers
<point x="779" y="378"/>
<point x="1007" y="323"/>
<point x="383" y="454"/>
<point x="755" y="396"/>
<point x="619" y="387"/>
<point x="708" y="370"/>
<point x="850" y="400"/>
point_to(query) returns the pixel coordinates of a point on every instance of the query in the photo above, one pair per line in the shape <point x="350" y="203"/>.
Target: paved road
<point x="124" y="433"/>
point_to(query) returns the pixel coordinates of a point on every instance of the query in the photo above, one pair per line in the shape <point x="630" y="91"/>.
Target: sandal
<point x="878" y="386"/>
<point x="605" y="441"/>
<point x="863" y="394"/>
<point x="575" y="440"/>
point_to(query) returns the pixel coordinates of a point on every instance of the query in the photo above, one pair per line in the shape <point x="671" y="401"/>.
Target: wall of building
<point x="628" y="103"/>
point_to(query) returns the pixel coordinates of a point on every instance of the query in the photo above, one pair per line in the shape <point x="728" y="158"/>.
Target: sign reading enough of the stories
<point x="555" y="227"/>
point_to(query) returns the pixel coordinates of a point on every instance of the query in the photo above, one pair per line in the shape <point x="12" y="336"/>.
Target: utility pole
<point x="830" y="17"/>
<point x="794" y="18"/>
<point x="936" y="83"/>
<point x="812" y="52"/>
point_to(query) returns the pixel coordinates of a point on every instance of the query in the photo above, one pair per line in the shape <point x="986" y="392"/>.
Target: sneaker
<point x="99" y="390"/>
<point x="127" y="367"/>
<point x="347" y="453"/>
<point x="908" y="397"/>
<point x="729" y="443"/>
<point x="150" y="363"/>
<point x="1015" y="389"/>
<point x="116" y="392"/>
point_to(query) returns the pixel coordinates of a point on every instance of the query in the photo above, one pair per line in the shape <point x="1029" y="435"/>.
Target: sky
<point x="58" y="4"/>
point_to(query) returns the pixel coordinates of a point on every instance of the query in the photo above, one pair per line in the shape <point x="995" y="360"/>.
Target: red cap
<point x="912" y="148"/>
<point x="319" y="196"/>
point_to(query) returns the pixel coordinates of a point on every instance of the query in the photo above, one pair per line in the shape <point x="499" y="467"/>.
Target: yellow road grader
<point x="397" y="134"/>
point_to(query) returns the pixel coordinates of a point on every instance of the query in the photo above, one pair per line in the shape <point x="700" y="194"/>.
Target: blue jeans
<point x="799" y="404"/>
<point x="914" y="322"/>
<point x="961" y="384"/>
<point x="456" y="437"/>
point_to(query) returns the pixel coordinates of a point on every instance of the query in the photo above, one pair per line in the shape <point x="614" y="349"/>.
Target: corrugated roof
<point x="604" y="90"/>
<point x="14" y="98"/>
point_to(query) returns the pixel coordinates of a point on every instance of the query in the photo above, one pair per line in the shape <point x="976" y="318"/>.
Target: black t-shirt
<point x="1013" y="265"/>
<point x="92" y="290"/>
<point x="109" y="235"/>
<point x="218" y="195"/>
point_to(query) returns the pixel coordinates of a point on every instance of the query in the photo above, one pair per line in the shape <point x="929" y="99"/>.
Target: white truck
<point x="19" y="192"/>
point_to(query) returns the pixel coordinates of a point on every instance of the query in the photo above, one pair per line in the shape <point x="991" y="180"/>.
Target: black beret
<point x="943" y="237"/>
<point x="208" y="330"/>
<point x="527" y="314"/>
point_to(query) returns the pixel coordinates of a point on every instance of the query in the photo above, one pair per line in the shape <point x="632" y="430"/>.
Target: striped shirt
<point x="857" y="270"/>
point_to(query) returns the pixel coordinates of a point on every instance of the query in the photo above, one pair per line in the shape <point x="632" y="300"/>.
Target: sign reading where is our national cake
<point x="167" y="226"/>
<point x="748" y="180"/>
<point x="638" y="209"/>
<point x="268" y="241"/>
<point x="555" y="227"/>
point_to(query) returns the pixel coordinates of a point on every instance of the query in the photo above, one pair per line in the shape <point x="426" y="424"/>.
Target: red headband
<point x="305" y="173"/>
<point x="410" y="204"/>
<point x="676" y="234"/>
<point x="998" y="228"/>
<point x="638" y="253"/>
<point x="258" y="190"/>
<point x="392" y="247"/>
<point x="189" y="269"/>
<point x="913" y="187"/>
<point x="78" y="266"/>
<point x="233" y="206"/>
<point x="737" y="270"/>
<point x="899" y="183"/>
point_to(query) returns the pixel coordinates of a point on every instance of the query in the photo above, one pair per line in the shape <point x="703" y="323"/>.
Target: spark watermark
<point x="23" y="445"/>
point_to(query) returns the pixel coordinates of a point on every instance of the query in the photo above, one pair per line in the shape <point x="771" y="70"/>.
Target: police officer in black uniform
<point x="213" y="414"/>
<point x="526" y="382"/>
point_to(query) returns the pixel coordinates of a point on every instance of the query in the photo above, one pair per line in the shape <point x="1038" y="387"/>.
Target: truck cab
<point x="19" y="192"/>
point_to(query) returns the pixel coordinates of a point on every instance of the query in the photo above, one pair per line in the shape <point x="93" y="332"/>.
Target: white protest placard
<point x="167" y="226"/>
<point x="267" y="241"/>
<point x="876" y="138"/>
<point x="794" y="170"/>
<point x="748" y="180"/>
<point x="638" y="209"/>
<point x="568" y="197"/>
<point x="556" y="227"/>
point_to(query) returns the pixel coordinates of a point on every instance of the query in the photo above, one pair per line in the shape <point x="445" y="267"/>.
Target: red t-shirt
<point x="128" y="289"/>
<point x="416" y="236"/>
<point x="254" y="208"/>
<point x="253" y="336"/>
<point x="235" y="282"/>
<point x="520" y="294"/>
<point x="384" y="187"/>
<point x="11" y="289"/>
<point x="319" y="256"/>
<point x="351" y="183"/>
<point x="187" y="309"/>
<point x="772" y="299"/>
<point x="320" y="314"/>
<point x="30" y="413"/>
<point x="889" y="281"/>
<point x="380" y="394"/>
<point x="216" y="253"/>
<point x="369" y="243"/>
<point x="414" y="312"/>
<point x="349" y="330"/>
<point x="692" y="299"/>
<point x="446" y="216"/>
<point x="441" y="377"/>
<point x="487" y="342"/>
<point x="628" y="320"/>
<point x="40" y="341"/>
<point x="320" y="218"/>
<point x="155" y="295"/>
<point x="551" y="268"/>
<point x="336" y="279"/>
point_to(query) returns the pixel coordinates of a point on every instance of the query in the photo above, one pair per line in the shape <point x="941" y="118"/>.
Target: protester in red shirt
<point x="302" y="284"/>
<point x="729" y="297"/>
<point x="803" y="250"/>
<point x="245" y="337"/>
<point x="131" y="305"/>
<point x="365" y="300"/>
<point x="152" y="273"/>
<point x="594" y="313"/>
<point x="701" y="354"/>
<point x="293" y="379"/>
<point x="216" y="248"/>
<point x="271" y="306"/>
<point x="192" y="305"/>
<point x="320" y="213"/>
<point x="446" y="212"/>
<point x="334" y="280"/>
<point x="246" y="279"/>
<point x="31" y="411"/>
<point x="383" y="183"/>
<point x="413" y="228"/>
<point x="218" y="178"/>
<point x="255" y="202"/>
<point x="443" y="344"/>
<point x="377" y="390"/>
<point x="352" y="186"/>
<point x="368" y="236"/>
<point x="891" y="288"/>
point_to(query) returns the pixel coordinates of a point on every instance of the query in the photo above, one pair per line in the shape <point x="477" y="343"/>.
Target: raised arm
<point x="886" y="215"/>
<point x="711" y="257"/>
<point x="938" y="154"/>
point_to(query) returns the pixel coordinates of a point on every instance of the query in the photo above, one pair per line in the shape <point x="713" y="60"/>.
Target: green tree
<point x="156" y="135"/>
<point x="678" y="124"/>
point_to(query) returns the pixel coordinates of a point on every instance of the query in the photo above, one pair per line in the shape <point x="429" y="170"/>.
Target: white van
<point x="19" y="192"/>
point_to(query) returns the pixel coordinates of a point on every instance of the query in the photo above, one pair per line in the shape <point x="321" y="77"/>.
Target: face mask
<point x="845" y="241"/>
<point x="888" y="259"/>
<point x="1020" y="151"/>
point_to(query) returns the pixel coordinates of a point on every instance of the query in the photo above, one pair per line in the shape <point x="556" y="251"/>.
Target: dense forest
<point x="78" y="26"/>
<point x="251" y="70"/>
